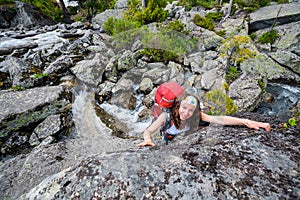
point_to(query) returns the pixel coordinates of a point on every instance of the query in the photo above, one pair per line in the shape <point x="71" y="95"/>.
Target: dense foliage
<point x="153" y="12"/>
<point x="220" y="103"/>
<point x="163" y="39"/>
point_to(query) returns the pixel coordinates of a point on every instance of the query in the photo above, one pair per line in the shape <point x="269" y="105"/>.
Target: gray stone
<point x="266" y="16"/>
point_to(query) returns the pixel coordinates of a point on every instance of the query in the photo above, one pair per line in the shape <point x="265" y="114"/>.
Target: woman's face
<point x="186" y="111"/>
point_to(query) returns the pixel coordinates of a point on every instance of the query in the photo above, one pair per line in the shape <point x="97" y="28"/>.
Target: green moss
<point x="220" y="103"/>
<point x="39" y="75"/>
<point x="262" y="85"/>
<point x="221" y="33"/>
<point x="269" y="37"/>
<point x="231" y="75"/>
<point x="18" y="88"/>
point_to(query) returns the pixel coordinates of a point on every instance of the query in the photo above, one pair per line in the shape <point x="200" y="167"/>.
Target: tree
<point x="228" y="11"/>
<point x="66" y="15"/>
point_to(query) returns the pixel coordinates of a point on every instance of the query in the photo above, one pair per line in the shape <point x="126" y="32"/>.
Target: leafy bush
<point x="154" y="12"/>
<point x="214" y="16"/>
<point x="220" y="103"/>
<point x="160" y="55"/>
<point x="208" y="4"/>
<point x="114" y="26"/>
<point x="269" y="37"/>
<point x="204" y="22"/>
<point x="162" y="38"/>
<point x="176" y="26"/>
<point x="237" y="49"/>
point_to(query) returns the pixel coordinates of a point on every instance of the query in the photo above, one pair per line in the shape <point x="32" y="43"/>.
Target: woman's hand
<point x="257" y="125"/>
<point x="146" y="143"/>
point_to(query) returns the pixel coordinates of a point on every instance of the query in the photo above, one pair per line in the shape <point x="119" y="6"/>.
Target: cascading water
<point x="285" y="97"/>
<point x="129" y="117"/>
<point x="93" y="137"/>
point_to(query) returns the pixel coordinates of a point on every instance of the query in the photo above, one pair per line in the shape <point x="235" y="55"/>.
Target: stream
<point x="284" y="98"/>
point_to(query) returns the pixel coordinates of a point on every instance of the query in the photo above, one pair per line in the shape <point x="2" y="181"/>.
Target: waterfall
<point x="285" y="97"/>
<point x="93" y="137"/>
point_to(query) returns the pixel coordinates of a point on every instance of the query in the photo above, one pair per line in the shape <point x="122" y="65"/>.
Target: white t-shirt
<point x="174" y="131"/>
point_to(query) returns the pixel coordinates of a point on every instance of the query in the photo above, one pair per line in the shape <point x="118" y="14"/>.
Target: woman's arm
<point x="227" y="120"/>
<point x="151" y="129"/>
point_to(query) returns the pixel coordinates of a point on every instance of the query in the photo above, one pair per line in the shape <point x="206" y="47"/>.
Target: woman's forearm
<point x="147" y="135"/>
<point x="227" y="120"/>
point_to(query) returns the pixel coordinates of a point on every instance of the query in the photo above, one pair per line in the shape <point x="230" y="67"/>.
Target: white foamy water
<point x="129" y="117"/>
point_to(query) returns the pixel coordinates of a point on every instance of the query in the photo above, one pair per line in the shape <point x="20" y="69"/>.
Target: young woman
<point x="186" y="114"/>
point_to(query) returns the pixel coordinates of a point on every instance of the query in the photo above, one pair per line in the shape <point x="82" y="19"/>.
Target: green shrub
<point x="253" y="36"/>
<point x="282" y="1"/>
<point x="292" y="122"/>
<point x="154" y="12"/>
<point x="176" y="26"/>
<point x="114" y="26"/>
<point x="162" y="38"/>
<point x="208" y="4"/>
<point x="160" y="55"/>
<point x="221" y="33"/>
<point x="214" y="16"/>
<point x="237" y="48"/>
<point x="269" y="37"/>
<point x="204" y="22"/>
<point x="220" y="103"/>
